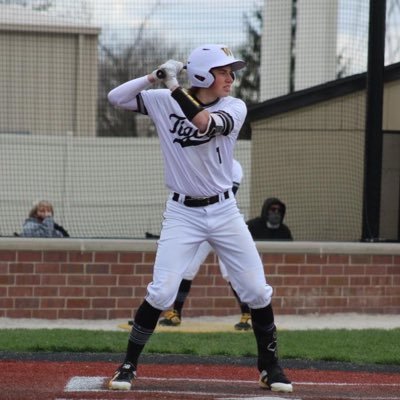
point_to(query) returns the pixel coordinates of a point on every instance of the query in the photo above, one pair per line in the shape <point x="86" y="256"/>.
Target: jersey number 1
<point x="219" y="156"/>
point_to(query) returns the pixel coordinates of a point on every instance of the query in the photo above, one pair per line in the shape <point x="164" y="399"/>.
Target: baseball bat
<point x="160" y="74"/>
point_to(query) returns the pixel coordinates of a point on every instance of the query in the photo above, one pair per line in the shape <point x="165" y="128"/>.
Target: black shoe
<point x="243" y="324"/>
<point x="123" y="377"/>
<point x="130" y="322"/>
<point x="273" y="378"/>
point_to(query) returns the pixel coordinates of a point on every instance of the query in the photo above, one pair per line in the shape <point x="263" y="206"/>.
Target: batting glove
<point x="170" y="71"/>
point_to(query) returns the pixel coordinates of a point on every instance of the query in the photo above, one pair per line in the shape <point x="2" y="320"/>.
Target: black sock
<point x="143" y="326"/>
<point x="244" y="308"/>
<point x="265" y="332"/>
<point x="183" y="291"/>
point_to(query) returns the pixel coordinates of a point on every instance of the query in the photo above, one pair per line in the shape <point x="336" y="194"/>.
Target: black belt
<point x="199" y="201"/>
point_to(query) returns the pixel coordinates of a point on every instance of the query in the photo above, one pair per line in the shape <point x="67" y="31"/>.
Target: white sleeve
<point x="124" y="96"/>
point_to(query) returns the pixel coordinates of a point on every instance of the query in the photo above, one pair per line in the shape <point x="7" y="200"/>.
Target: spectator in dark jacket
<point x="40" y="222"/>
<point x="269" y="225"/>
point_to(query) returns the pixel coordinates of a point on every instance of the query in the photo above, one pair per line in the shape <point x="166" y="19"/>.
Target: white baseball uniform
<point x="205" y="248"/>
<point x="201" y="167"/>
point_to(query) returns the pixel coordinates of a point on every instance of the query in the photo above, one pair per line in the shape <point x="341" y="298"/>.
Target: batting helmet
<point x="204" y="58"/>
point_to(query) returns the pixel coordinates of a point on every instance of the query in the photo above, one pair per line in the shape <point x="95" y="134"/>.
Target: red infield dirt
<point x="43" y="380"/>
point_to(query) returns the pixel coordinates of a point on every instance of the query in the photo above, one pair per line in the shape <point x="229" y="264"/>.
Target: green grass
<point x="370" y="346"/>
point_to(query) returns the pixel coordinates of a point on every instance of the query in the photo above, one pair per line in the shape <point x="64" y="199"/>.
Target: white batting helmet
<point x="204" y="58"/>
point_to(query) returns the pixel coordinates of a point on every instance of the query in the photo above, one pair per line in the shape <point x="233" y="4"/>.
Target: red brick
<point x="338" y="280"/>
<point x="70" y="314"/>
<point x="143" y="269"/>
<point x="53" y="280"/>
<point x="95" y="314"/>
<point x="80" y="257"/>
<point x="31" y="256"/>
<point x="7" y="280"/>
<point x="149" y="258"/>
<point x="72" y="268"/>
<point x="124" y="280"/>
<point x="338" y="259"/>
<point x="93" y="291"/>
<point x="103" y="303"/>
<point x="45" y="291"/>
<point x="21" y="268"/>
<point x="19" y="313"/>
<point x="49" y="268"/>
<point x="360" y="280"/>
<point x="97" y="268"/>
<point x="26" y="302"/>
<point x="105" y="257"/>
<point x="3" y="268"/>
<point x="78" y="303"/>
<point x="104" y="280"/>
<point x="71" y="291"/>
<point x="126" y="269"/>
<point x="52" y="302"/>
<point x="382" y="259"/>
<point x="288" y="269"/>
<point x="8" y="255"/>
<point x="131" y="258"/>
<point x="360" y="259"/>
<point x="295" y="258"/>
<point x="55" y="256"/>
<point x="333" y="269"/>
<point x="18" y="291"/>
<point x="79" y="280"/>
<point x="316" y="259"/>
<point x="27" y="280"/>
<point x="311" y="269"/>
<point x="45" y="314"/>
<point x="6" y="303"/>
<point x="123" y="291"/>
<point x="272" y="258"/>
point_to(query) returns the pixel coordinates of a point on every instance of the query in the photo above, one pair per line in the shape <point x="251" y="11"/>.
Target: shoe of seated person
<point x="123" y="377"/>
<point x="171" y="318"/>
<point x="274" y="379"/>
<point x="243" y="324"/>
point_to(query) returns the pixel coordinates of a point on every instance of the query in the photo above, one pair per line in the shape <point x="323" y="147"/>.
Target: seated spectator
<point x="40" y="222"/>
<point x="269" y="225"/>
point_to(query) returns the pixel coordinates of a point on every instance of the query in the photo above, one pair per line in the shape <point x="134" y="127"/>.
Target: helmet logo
<point x="227" y="51"/>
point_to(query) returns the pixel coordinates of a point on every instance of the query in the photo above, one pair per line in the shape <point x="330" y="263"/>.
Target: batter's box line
<point x="96" y="383"/>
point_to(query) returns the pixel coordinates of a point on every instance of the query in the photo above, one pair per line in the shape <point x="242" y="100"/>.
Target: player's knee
<point x="260" y="296"/>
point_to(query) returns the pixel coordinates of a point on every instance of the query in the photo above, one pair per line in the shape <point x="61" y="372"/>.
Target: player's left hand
<point x="171" y="69"/>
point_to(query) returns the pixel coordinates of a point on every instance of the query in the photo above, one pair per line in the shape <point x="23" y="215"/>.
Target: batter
<point x="198" y="130"/>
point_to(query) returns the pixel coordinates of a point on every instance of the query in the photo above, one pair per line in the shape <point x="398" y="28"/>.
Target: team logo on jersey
<point x="187" y="135"/>
<point x="227" y="51"/>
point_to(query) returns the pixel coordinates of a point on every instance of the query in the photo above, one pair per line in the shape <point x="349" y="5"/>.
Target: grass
<point x="369" y="346"/>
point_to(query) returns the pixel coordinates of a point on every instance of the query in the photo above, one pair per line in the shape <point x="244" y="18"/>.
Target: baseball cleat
<point x="275" y="380"/>
<point x="243" y="324"/>
<point x="123" y="377"/>
<point x="171" y="318"/>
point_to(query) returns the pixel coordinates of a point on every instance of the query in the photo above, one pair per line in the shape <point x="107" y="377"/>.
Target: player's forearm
<point x="124" y="96"/>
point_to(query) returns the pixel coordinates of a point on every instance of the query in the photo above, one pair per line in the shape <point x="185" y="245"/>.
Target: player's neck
<point x="206" y="96"/>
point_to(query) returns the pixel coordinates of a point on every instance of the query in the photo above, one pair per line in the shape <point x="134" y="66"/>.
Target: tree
<point x="119" y="66"/>
<point x="249" y="85"/>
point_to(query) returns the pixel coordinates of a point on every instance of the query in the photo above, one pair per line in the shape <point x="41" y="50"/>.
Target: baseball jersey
<point x="194" y="165"/>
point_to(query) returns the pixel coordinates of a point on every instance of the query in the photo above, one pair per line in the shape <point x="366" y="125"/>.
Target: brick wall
<point x="106" y="279"/>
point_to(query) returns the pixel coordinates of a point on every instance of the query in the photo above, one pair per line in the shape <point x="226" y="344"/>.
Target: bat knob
<point x="160" y="74"/>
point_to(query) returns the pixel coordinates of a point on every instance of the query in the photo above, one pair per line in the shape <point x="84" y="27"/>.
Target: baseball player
<point x="198" y="130"/>
<point x="173" y="317"/>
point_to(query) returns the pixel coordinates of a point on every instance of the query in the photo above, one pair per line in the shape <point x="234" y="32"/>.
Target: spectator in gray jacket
<point x="40" y="222"/>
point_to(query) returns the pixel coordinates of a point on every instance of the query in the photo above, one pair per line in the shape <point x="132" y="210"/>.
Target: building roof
<point x="317" y="94"/>
<point x="22" y="19"/>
